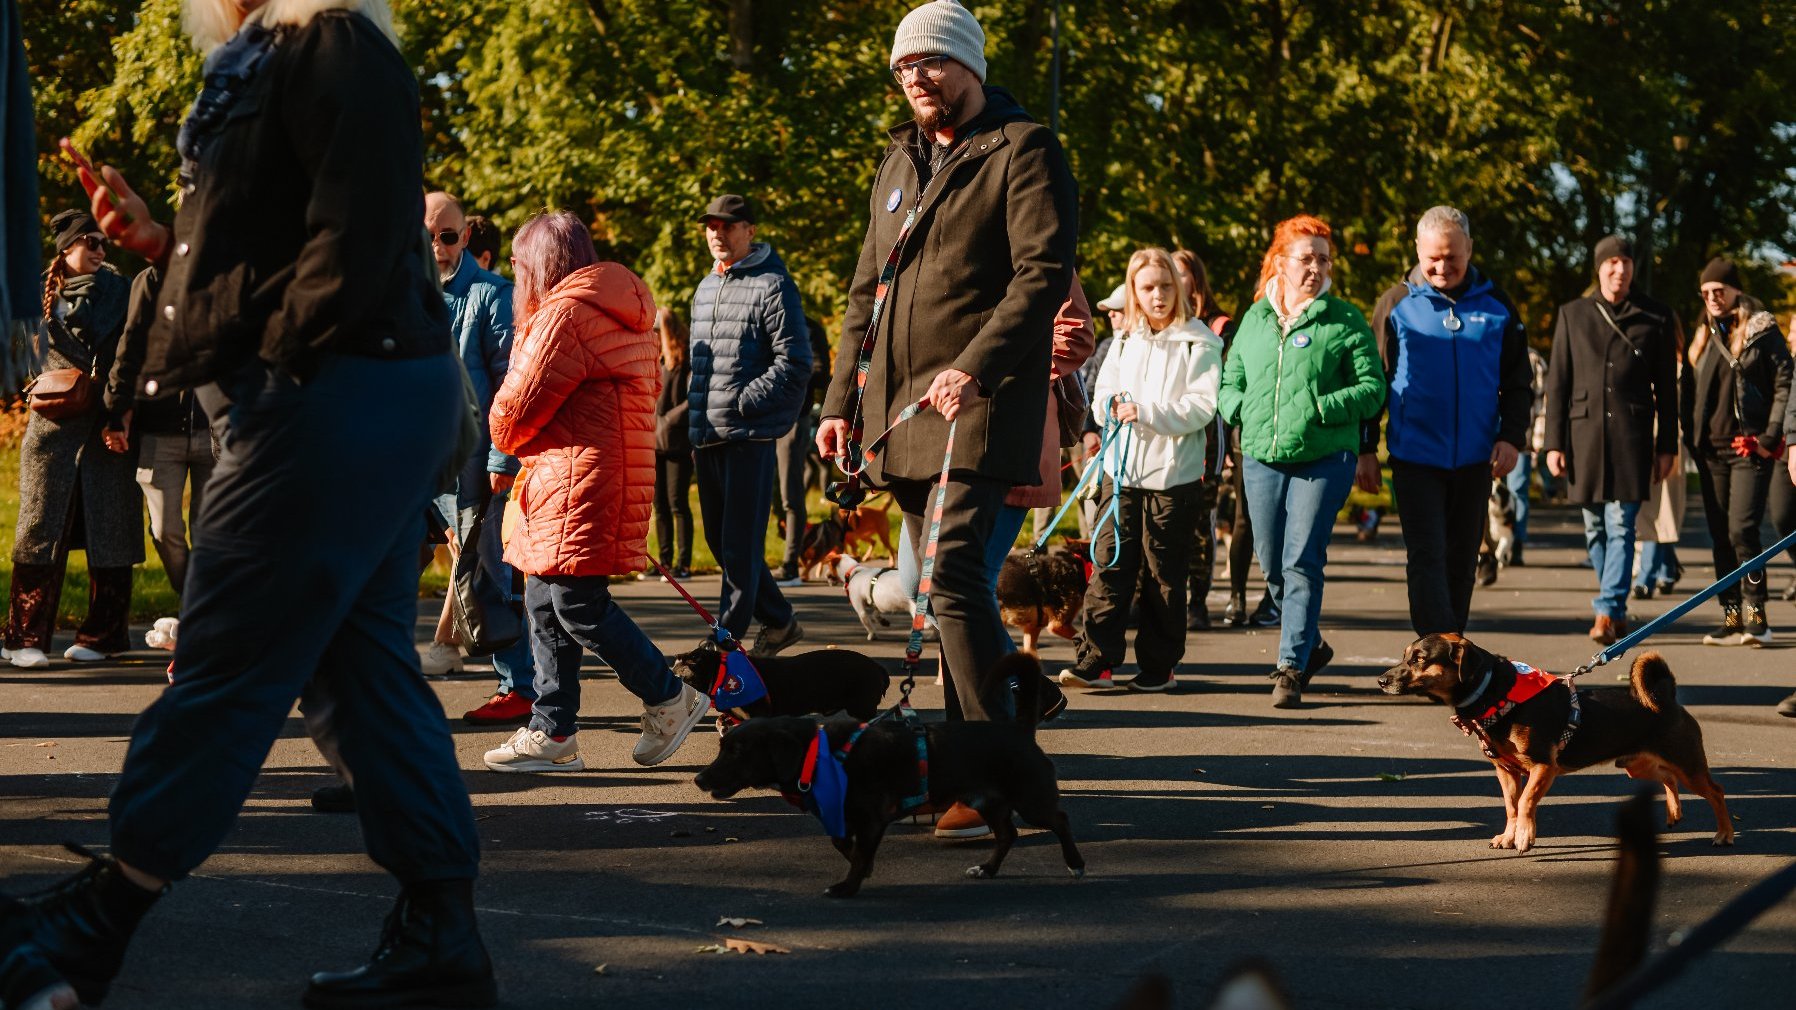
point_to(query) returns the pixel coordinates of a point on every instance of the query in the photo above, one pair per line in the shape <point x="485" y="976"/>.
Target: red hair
<point x="1287" y="232"/>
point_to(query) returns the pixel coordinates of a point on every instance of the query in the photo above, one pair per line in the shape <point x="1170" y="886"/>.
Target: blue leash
<point x="1645" y="631"/>
<point x="1111" y="465"/>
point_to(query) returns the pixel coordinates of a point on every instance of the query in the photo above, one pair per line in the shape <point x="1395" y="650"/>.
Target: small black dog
<point x="824" y="681"/>
<point x="994" y="767"/>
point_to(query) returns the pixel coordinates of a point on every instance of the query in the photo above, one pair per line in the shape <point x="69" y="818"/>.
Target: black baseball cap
<point x="730" y="208"/>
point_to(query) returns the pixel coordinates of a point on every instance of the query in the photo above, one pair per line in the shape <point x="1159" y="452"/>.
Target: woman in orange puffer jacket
<point x="578" y="409"/>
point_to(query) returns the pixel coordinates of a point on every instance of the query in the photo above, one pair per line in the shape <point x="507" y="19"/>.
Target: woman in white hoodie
<point x="1160" y="383"/>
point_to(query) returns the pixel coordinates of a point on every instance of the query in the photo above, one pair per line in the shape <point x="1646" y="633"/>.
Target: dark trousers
<point x="673" y="509"/>
<point x="1241" y="535"/>
<point x="1444" y="514"/>
<point x="1152" y="549"/>
<point x="1781" y="505"/>
<point x="571" y="615"/>
<point x="37" y="594"/>
<point x="1203" y="539"/>
<point x="1734" y="491"/>
<point x="304" y="570"/>
<point x="735" y="491"/>
<point x="973" y="638"/>
<point x="789" y="452"/>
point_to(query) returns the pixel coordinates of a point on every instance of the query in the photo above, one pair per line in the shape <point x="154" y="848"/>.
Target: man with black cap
<point x="967" y="259"/>
<point x="751" y="365"/>
<point x="1612" y="418"/>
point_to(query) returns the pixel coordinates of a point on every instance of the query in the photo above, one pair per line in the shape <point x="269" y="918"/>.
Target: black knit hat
<point x="70" y="225"/>
<point x="1611" y="246"/>
<point x="1721" y="269"/>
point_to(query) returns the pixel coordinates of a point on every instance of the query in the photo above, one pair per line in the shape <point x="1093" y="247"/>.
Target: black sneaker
<point x="1145" y="681"/>
<point x="1197" y="616"/>
<point x="1079" y="676"/>
<point x="1787" y="707"/>
<point x="1265" y="615"/>
<point x="1643" y="591"/>
<point x="1053" y="701"/>
<point x="1287" y="688"/>
<point x="1756" y="631"/>
<point x="1235" y="616"/>
<point x="338" y="798"/>
<point x="1730" y="632"/>
<point x="1322" y="655"/>
<point x="787" y="576"/>
<point x="770" y="641"/>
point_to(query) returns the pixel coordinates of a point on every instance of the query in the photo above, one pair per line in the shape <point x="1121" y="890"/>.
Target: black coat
<point x="1605" y="394"/>
<point x="979" y="281"/>
<point x="299" y="230"/>
<point x="1761" y="380"/>
<point x="672" y="410"/>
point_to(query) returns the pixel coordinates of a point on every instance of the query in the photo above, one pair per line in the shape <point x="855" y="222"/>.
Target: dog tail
<point x="1025" y="671"/>
<point x="1652" y="683"/>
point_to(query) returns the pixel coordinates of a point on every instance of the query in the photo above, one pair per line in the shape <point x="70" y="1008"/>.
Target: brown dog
<point x="1042" y="592"/>
<point x="1535" y="729"/>
<point x="866" y="528"/>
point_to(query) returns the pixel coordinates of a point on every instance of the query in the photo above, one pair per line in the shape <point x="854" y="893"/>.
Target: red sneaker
<point x="510" y="709"/>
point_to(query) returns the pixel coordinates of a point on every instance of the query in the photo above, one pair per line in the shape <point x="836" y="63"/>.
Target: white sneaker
<point x="83" y="654"/>
<point x="532" y="750"/>
<point x="664" y="726"/>
<point x="162" y="634"/>
<point x="441" y="660"/>
<point x="28" y="659"/>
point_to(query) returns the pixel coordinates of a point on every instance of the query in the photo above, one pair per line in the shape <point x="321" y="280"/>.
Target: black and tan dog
<point x="1043" y="592"/>
<point x="1534" y="732"/>
<point x="822" y="682"/>
<point x="994" y="767"/>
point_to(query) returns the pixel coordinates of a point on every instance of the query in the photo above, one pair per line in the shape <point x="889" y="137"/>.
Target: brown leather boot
<point x="1604" y="630"/>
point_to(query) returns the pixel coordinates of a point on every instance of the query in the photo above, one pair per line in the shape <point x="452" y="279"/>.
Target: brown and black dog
<point x="1043" y="592"/>
<point x="1641" y="728"/>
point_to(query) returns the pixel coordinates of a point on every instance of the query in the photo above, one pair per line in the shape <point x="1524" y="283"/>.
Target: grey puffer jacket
<point x="750" y="352"/>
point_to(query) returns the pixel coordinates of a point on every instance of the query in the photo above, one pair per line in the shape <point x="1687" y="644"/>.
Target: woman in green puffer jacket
<point x="1302" y="375"/>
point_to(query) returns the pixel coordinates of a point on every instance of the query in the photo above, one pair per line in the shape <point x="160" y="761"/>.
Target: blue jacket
<point x="1454" y="393"/>
<point x="480" y="319"/>
<point x="751" y="352"/>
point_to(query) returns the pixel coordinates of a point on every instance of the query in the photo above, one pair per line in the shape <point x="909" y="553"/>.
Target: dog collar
<point x="1477" y="693"/>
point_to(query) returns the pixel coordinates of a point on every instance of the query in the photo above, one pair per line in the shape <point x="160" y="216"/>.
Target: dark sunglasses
<point x="447" y="237"/>
<point x="94" y="243"/>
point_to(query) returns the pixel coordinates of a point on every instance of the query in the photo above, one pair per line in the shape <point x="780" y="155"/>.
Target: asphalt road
<point x="1345" y="842"/>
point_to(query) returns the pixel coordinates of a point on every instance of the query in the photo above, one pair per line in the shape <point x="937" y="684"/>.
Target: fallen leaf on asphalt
<point x="1200" y="771"/>
<point x="600" y="970"/>
<point x="732" y="838"/>
<point x="737" y="922"/>
<point x="752" y="947"/>
<point x="47" y="743"/>
<point x="1266" y="806"/>
<point x="713" y="948"/>
<point x="1390" y="776"/>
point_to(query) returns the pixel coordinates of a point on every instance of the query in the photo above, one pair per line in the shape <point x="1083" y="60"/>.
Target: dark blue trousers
<point x="305" y="570"/>
<point x="571" y="615"/>
<point x="735" y="492"/>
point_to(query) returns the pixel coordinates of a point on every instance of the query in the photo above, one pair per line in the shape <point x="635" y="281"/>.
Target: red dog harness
<point x="1528" y="683"/>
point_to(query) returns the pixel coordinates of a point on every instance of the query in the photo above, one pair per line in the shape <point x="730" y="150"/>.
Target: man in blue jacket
<point x="480" y="320"/>
<point x="1460" y="393"/>
<point x="751" y="365"/>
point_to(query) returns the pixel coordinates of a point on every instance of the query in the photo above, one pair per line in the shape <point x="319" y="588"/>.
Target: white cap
<point x="1117" y="301"/>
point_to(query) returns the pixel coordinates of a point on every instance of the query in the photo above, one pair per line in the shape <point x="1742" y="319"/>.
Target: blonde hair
<point x="1141" y="260"/>
<point x="211" y="23"/>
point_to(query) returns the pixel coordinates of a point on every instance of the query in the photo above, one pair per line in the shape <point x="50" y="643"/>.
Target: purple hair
<point x="543" y="253"/>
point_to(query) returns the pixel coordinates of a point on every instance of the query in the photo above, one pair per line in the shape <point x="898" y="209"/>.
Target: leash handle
<point x="1650" y="628"/>
<point x="1109" y="435"/>
<point x="913" y="651"/>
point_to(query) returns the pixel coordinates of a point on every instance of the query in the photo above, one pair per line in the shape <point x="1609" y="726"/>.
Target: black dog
<point x="994" y="767"/>
<point x="824" y="682"/>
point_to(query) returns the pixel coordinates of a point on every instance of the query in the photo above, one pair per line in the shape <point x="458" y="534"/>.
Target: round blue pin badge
<point x="894" y="200"/>
<point x="1301" y="340"/>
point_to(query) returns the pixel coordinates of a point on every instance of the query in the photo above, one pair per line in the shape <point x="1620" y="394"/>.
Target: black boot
<point x="1197" y="615"/>
<point x="74" y="934"/>
<point x="429" y="954"/>
<point x="1235" y="616"/>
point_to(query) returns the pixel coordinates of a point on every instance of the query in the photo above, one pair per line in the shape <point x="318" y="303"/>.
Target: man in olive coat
<point x="966" y="321"/>
<point x="1613" y="373"/>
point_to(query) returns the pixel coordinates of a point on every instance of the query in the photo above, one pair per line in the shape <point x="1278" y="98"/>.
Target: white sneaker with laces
<point x="28" y="659"/>
<point x="83" y="654"/>
<point x="532" y="750"/>
<point x="665" y="726"/>
<point x="441" y="660"/>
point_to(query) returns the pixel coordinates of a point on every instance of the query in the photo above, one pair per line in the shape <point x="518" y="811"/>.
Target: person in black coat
<point x="673" y="449"/>
<point x="1613" y="374"/>
<point x="1733" y="419"/>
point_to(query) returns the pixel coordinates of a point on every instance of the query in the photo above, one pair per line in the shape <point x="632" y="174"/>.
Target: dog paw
<point x="1076" y="872"/>
<point x="1523" y="842"/>
<point x="980" y="872"/>
<point x="1723" y="838"/>
<point x="1506" y="840"/>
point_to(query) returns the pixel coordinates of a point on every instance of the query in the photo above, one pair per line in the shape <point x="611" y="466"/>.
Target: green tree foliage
<point x="1188" y="122"/>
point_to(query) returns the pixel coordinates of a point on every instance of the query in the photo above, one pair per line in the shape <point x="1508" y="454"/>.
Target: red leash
<point x="667" y="577"/>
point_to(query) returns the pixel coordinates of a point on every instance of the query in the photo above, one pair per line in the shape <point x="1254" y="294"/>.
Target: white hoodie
<point x="1172" y="376"/>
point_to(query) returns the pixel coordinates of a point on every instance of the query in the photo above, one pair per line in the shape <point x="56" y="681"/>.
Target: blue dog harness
<point x="823" y="781"/>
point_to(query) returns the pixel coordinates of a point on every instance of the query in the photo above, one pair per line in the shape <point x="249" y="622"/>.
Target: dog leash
<point x="1112" y="430"/>
<point x="726" y="644"/>
<point x="1647" y="630"/>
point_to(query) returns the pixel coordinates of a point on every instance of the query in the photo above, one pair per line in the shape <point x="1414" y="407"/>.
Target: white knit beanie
<point x="942" y="28"/>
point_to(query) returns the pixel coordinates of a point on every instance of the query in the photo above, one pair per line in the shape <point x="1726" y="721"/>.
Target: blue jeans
<point x="1658" y="563"/>
<point x="299" y="585"/>
<point x="1518" y="489"/>
<point x="1609" y="537"/>
<point x="574" y="614"/>
<point x="512" y="663"/>
<point x="735" y="494"/>
<point x="1294" y="507"/>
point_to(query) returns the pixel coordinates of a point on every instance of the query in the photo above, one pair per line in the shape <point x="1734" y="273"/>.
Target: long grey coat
<point x="62" y="462"/>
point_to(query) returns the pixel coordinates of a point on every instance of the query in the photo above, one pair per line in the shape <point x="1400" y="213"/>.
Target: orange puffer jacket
<point x="578" y="409"/>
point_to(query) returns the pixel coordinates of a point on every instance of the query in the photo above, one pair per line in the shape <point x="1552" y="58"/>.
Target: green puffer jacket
<point x="1301" y="395"/>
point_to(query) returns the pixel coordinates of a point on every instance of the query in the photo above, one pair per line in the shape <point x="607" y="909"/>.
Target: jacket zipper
<point x="1278" y="381"/>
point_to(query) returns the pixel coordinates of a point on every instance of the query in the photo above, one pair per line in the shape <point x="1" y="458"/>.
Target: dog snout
<point x="1391" y="681"/>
